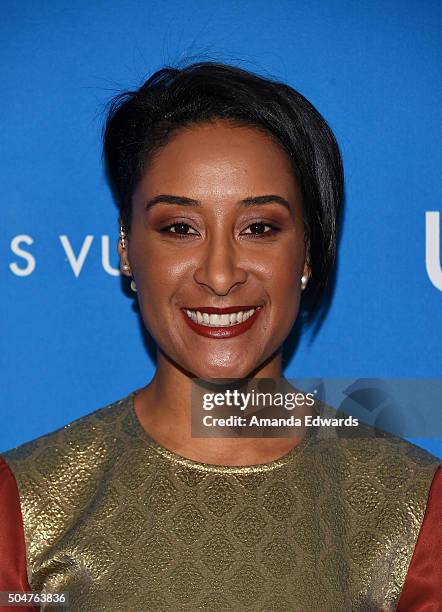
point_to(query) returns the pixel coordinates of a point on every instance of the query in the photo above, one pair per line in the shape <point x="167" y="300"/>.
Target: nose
<point x="220" y="269"/>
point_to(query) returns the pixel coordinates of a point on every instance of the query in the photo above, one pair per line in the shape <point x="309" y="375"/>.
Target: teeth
<point x="219" y="320"/>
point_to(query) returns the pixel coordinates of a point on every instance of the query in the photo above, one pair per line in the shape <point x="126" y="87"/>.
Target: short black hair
<point x="140" y="122"/>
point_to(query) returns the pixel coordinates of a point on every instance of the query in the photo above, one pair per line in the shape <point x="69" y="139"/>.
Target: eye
<point x="182" y="229"/>
<point x="258" y="229"/>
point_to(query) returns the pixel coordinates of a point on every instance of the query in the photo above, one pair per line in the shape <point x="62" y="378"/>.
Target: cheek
<point x="159" y="280"/>
<point x="284" y="271"/>
<point x="153" y="267"/>
<point x="284" y="288"/>
<point x="285" y="301"/>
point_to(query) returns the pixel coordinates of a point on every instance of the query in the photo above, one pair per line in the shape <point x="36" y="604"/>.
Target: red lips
<point x="222" y="332"/>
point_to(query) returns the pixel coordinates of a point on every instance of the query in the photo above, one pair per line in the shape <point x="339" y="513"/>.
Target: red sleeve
<point x="422" y="590"/>
<point x="13" y="574"/>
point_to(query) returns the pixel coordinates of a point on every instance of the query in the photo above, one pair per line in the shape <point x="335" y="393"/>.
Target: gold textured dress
<point x="123" y="524"/>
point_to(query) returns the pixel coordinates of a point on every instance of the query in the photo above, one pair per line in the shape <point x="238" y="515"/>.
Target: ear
<point x="124" y="260"/>
<point x="307" y="270"/>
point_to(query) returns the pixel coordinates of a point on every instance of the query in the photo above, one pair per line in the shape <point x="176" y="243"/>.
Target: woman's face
<point x="216" y="249"/>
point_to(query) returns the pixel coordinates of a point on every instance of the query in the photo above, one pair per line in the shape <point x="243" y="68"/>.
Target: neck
<point x="163" y="408"/>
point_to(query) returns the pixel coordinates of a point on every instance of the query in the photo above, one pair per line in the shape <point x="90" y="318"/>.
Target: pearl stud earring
<point x="304" y="281"/>
<point x="133" y="285"/>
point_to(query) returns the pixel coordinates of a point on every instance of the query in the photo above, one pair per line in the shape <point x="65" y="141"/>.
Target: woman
<point x="229" y="188"/>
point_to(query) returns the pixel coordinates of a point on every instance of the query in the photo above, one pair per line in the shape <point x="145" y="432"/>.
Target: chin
<point x="223" y="370"/>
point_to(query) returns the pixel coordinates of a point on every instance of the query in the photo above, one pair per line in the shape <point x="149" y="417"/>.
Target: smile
<point x="221" y="322"/>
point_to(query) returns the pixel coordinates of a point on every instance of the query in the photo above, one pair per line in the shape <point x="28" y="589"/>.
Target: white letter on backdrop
<point x="432" y="248"/>
<point x="105" y="257"/>
<point x="15" y="248"/>
<point x="76" y="262"/>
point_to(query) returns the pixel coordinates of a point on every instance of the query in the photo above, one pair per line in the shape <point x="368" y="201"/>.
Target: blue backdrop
<point x="71" y="339"/>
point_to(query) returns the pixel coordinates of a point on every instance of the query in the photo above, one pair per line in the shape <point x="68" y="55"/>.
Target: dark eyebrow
<point x="171" y="199"/>
<point x="266" y="199"/>
<point x="183" y="201"/>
